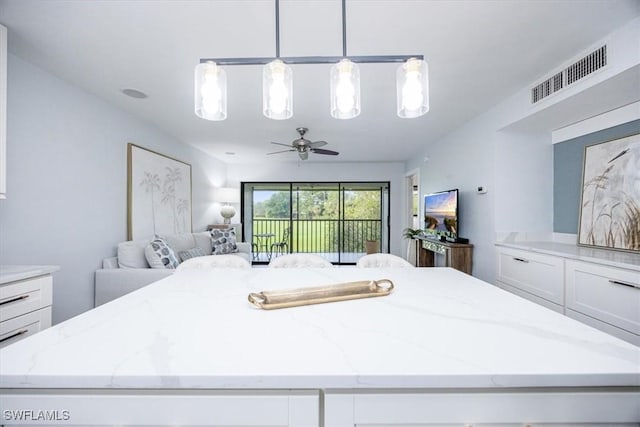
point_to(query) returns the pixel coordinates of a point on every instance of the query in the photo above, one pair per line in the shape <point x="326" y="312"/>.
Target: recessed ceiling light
<point x="134" y="93"/>
<point x="229" y="153"/>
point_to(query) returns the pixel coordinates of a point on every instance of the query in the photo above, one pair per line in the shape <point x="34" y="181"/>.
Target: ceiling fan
<point x="304" y="146"/>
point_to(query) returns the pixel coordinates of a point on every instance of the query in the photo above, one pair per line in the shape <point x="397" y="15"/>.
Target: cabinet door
<point x="260" y="408"/>
<point x="24" y="296"/>
<point x="22" y="326"/>
<point x="537" y="274"/>
<point x="611" y="295"/>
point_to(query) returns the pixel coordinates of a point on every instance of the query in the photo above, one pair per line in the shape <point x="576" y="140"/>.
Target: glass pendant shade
<point x="210" y="92"/>
<point x="277" y="90"/>
<point x="345" y="90"/>
<point x="412" y="85"/>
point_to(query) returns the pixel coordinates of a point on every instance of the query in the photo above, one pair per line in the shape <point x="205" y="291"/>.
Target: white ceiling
<point x="479" y="52"/>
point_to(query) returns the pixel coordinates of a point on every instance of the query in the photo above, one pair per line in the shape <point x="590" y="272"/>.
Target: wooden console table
<point x="456" y="255"/>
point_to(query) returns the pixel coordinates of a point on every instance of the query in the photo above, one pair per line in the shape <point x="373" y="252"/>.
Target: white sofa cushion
<point x="131" y="254"/>
<point x="180" y="242"/>
<point x="203" y="241"/>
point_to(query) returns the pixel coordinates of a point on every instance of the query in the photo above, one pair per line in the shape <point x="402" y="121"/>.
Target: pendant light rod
<point x="374" y="59"/>
<point x="277" y="28"/>
<point x="344" y="29"/>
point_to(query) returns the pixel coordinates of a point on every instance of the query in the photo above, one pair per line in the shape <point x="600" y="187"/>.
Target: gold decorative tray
<point x="269" y="300"/>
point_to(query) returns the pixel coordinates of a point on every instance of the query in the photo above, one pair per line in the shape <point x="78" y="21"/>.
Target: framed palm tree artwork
<point x="158" y="194"/>
<point x="610" y="204"/>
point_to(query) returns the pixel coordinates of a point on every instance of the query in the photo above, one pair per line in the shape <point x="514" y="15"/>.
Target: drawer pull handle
<point x="619" y="282"/>
<point x="17" y="334"/>
<point x="520" y="259"/>
<point x="14" y="299"/>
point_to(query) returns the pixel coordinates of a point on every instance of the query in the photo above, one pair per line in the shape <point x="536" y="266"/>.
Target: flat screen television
<point x="441" y="215"/>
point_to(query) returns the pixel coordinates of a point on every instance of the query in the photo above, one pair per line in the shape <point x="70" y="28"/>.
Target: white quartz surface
<point x="12" y="273"/>
<point x="612" y="258"/>
<point x="439" y="328"/>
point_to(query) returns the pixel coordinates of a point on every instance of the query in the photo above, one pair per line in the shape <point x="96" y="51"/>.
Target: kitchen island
<point x="444" y="347"/>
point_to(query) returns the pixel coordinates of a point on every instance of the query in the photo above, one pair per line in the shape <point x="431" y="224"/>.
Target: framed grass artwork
<point x="610" y="203"/>
<point x="158" y="194"/>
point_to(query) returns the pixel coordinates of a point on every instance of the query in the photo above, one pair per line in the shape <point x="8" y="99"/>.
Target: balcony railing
<point x="321" y="236"/>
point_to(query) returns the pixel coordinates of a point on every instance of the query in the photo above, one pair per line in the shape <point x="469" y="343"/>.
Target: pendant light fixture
<point x="277" y="81"/>
<point x="412" y="87"/>
<point x="344" y="81"/>
<point x="210" y="91"/>
<point x="277" y="90"/>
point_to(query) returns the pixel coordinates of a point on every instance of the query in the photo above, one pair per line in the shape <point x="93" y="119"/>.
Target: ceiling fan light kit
<point x="412" y="82"/>
<point x="303" y="146"/>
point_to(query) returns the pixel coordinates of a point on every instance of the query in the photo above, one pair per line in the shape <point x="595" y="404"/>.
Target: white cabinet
<point x="603" y="297"/>
<point x="537" y="277"/>
<point x="260" y="408"/>
<point x="606" y="297"/>
<point x="3" y="112"/>
<point x="481" y="408"/>
<point x="25" y="301"/>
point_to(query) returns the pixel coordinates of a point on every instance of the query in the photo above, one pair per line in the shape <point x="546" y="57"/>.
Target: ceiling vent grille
<point x="574" y="72"/>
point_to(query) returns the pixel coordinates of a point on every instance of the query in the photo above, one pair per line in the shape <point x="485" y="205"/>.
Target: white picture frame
<point x="158" y="194"/>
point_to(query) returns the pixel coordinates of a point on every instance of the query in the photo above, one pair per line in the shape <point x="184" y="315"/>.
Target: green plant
<point x="411" y="233"/>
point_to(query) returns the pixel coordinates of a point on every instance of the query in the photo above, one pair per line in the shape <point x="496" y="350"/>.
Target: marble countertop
<point x="613" y="258"/>
<point x="439" y="328"/>
<point x="12" y="273"/>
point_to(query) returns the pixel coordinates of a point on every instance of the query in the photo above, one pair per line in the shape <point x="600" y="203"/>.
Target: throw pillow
<point x="190" y="253"/>
<point x="160" y="255"/>
<point x="223" y="241"/>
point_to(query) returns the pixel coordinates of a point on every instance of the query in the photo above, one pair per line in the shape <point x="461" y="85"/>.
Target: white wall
<point x="67" y="173"/>
<point x="508" y="149"/>
<point x="309" y="171"/>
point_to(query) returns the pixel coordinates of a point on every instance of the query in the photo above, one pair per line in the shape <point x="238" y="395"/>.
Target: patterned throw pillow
<point x="190" y="253"/>
<point x="223" y="241"/>
<point x="160" y="255"/>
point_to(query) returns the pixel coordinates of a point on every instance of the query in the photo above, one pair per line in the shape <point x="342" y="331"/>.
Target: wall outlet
<point x="481" y="189"/>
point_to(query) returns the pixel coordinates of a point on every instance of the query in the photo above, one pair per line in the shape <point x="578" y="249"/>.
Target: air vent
<point x="574" y="72"/>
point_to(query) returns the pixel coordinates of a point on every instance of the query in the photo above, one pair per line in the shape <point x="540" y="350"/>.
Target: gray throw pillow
<point x="160" y="255"/>
<point x="223" y="241"/>
<point x="190" y="253"/>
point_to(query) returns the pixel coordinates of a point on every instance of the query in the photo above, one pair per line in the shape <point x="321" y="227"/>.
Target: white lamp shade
<point x="277" y="90"/>
<point x="412" y="85"/>
<point x="345" y="90"/>
<point x="210" y="92"/>
<point x="226" y="195"/>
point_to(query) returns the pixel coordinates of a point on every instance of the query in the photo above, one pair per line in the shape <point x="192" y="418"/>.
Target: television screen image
<point x="441" y="214"/>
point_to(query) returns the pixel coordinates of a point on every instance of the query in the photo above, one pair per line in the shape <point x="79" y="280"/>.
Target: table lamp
<point x="227" y="195"/>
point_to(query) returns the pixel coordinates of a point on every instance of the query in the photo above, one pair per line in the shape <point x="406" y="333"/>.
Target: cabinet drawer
<point x="609" y="294"/>
<point x="19" y="327"/>
<point x="540" y="275"/>
<point x="24" y="296"/>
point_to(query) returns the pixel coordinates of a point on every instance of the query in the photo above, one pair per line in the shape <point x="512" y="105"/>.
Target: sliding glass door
<point x="332" y="219"/>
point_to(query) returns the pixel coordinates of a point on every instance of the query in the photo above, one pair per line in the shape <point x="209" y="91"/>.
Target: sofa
<point x="130" y="270"/>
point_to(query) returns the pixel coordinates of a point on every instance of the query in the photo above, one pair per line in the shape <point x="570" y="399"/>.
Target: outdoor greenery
<point x="314" y="216"/>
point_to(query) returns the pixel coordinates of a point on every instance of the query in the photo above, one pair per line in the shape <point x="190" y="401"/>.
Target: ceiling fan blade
<point x="282" y="151"/>
<point x="316" y="144"/>
<point x="280" y="143"/>
<point x="323" y="151"/>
